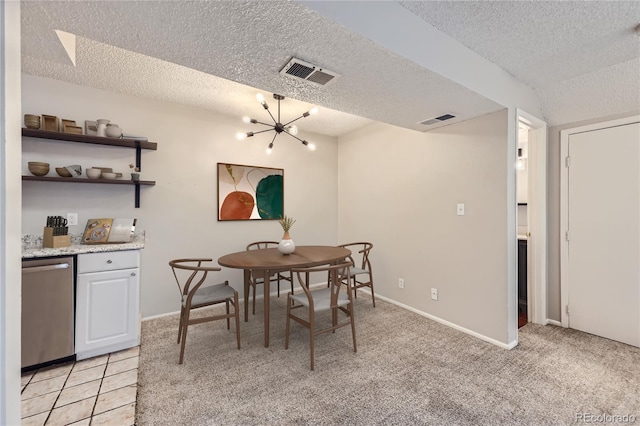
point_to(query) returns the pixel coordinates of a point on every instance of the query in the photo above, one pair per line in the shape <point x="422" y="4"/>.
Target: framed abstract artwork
<point x="250" y="192"/>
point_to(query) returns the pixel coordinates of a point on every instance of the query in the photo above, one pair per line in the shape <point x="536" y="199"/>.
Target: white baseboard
<point x="152" y="317"/>
<point x="510" y="345"/>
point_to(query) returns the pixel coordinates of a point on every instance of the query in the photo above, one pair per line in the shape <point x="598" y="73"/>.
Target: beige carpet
<point x="408" y="370"/>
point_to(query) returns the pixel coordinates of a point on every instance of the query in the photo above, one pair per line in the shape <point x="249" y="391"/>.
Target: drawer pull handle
<point x="133" y="274"/>
<point x="109" y="261"/>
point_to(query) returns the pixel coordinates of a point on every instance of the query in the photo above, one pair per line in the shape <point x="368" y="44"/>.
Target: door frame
<point x="10" y="214"/>
<point x="536" y="217"/>
<point x="564" y="204"/>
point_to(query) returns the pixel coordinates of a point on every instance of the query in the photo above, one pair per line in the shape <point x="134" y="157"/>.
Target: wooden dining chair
<point x="361" y="273"/>
<point x="257" y="277"/>
<point x="322" y="300"/>
<point x="194" y="296"/>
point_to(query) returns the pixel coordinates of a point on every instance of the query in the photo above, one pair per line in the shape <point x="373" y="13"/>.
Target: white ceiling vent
<point x="436" y="120"/>
<point x="297" y="68"/>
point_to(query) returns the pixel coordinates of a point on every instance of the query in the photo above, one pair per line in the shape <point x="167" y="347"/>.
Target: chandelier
<point x="277" y="126"/>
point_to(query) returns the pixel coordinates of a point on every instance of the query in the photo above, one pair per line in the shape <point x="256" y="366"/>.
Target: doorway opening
<point x="531" y="220"/>
<point x="522" y="197"/>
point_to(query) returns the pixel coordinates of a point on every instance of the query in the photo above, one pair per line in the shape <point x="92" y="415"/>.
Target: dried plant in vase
<point x="286" y="246"/>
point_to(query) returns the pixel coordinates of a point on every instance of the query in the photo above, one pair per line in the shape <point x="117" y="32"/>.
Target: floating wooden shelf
<point x="96" y="140"/>
<point x="83" y="180"/>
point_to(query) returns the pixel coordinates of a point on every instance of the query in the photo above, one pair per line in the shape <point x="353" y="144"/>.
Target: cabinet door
<point x="106" y="310"/>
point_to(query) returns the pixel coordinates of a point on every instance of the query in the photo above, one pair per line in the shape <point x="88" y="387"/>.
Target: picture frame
<point x="250" y="192"/>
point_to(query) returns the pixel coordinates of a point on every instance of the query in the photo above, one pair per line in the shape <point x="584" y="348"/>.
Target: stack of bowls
<point x="32" y="121"/>
<point x="38" y="169"/>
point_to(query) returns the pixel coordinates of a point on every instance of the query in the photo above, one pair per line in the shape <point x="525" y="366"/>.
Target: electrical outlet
<point x="401" y="282"/>
<point x="434" y="293"/>
<point x="72" y="219"/>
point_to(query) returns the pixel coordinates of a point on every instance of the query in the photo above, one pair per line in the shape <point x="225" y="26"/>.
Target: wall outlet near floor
<point x="434" y="293"/>
<point x="401" y="282"/>
<point x="72" y="219"/>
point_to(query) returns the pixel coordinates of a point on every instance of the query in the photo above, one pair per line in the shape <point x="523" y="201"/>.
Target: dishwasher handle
<point x="44" y="268"/>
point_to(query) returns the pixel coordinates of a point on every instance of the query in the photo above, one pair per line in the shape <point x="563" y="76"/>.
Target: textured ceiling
<point x="582" y="58"/>
<point x="540" y="42"/>
<point x="215" y="54"/>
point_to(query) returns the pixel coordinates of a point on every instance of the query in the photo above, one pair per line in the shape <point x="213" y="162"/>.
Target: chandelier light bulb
<point x="240" y="136"/>
<point x="246" y="119"/>
<point x="270" y="148"/>
<point x="313" y="111"/>
<point x="311" y="147"/>
<point x="292" y="129"/>
<point x="260" y="99"/>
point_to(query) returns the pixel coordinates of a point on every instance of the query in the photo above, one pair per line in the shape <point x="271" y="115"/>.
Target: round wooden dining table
<point x="271" y="260"/>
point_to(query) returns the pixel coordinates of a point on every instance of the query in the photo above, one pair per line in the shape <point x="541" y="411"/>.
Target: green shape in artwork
<point x="269" y="197"/>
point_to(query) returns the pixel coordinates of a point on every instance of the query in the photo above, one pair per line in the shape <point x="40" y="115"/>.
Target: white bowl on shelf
<point x="93" y="173"/>
<point x="108" y="175"/>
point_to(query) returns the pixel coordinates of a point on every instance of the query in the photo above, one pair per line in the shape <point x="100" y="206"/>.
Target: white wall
<point x="10" y="289"/>
<point x="399" y="190"/>
<point x="179" y="214"/>
<point x="522" y="194"/>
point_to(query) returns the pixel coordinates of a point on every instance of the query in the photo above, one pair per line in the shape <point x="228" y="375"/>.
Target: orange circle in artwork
<point x="237" y="205"/>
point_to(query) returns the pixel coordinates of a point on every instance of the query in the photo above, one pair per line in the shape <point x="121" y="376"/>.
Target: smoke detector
<point x="300" y="69"/>
<point x="436" y="120"/>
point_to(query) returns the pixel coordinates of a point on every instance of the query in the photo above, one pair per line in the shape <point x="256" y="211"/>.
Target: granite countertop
<point x="32" y="246"/>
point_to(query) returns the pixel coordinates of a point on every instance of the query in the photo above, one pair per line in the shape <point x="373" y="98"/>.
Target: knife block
<point x="51" y="241"/>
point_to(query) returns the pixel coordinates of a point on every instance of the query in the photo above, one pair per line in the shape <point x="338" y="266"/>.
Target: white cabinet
<point x="107" y="302"/>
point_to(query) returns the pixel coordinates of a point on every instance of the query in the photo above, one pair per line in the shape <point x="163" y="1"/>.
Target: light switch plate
<point x="460" y="209"/>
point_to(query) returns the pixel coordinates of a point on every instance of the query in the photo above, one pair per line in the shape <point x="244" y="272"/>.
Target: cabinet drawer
<point x="109" y="261"/>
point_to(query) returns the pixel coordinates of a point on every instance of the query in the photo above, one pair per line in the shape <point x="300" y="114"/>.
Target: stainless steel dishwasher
<point x="47" y="310"/>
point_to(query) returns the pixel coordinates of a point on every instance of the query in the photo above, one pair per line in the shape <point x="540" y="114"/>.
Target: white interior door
<point x="604" y="232"/>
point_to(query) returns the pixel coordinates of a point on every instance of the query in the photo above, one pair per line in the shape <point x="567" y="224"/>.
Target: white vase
<point x="286" y="245"/>
<point x="102" y="126"/>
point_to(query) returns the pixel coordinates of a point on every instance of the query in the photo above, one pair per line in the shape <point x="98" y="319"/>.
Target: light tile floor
<point x="94" y="391"/>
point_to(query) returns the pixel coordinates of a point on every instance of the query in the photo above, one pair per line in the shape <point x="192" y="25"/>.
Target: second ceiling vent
<point x="298" y="68"/>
